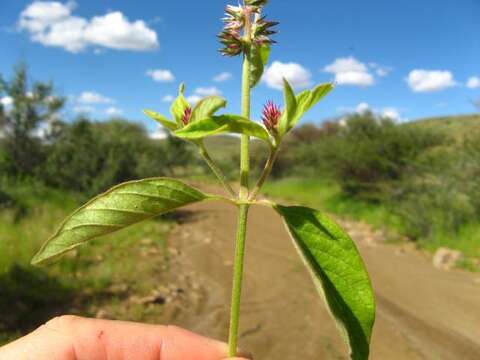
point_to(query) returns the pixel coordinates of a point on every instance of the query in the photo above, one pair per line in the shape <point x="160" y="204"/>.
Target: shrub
<point x="369" y="155"/>
<point x="90" y="157"/>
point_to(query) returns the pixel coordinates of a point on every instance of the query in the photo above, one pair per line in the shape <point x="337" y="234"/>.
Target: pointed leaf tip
<point x="207" y="107"/>
<point x="161" y="119"/>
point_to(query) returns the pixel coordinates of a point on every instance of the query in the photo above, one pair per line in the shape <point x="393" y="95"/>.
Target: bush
<point x="369" y="156"/>
<point x="302" y="153"/>
<point x="90" y="157"/>
<point x="443" y="195"/>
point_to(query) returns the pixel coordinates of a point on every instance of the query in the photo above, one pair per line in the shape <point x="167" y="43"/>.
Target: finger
<point x="75" y="338"/>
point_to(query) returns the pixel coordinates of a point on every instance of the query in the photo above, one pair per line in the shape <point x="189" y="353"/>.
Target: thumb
<point x="76" y="338"/>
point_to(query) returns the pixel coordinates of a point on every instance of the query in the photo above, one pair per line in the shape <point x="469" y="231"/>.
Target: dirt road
<point x="422" y="312"/>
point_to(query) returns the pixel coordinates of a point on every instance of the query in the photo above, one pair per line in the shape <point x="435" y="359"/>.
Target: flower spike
<point x="270" y="115"/>
<point x="236" y="18"/>
<point x="187" y="114"/>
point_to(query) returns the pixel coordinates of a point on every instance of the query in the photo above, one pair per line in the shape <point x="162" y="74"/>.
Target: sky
<point x="406" y="59"/>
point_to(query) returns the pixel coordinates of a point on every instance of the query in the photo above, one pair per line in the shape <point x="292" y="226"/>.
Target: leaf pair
<point x="205" y="108"/>
<point x="223" y="124"/>
<point x="203" y="123"/>
<point x="327" y="251"/>
<point x="297" y="105"/>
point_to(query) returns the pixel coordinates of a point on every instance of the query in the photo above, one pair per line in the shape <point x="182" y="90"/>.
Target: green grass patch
<point x="326" y="195"/>
<point x="83" y="280"/>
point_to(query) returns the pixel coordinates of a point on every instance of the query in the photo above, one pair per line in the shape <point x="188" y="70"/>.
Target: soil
<point x="422" y="312"/>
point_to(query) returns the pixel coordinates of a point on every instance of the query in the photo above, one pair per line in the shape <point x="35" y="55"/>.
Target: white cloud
<point x="193" y="99"/>
<point x="113" y="111"/>
<point x="362" y="108"/>
<point x="39" y="15"/>
<point x="207" y="91"/>
<point x="223" y="76"/>
<point x="159" y="134"/>
<point x="168" y="98"/>
<point x="380" y="70"/>
<point x="200" y="92"/>
<point x="6" y="101"/>
<point x="350" y="71"/>
<point x="421" y="80"/>
<point x="83" y="109"/>
<point x="473" y="82"/>
<point x="51" y="23"/>
<point x="114" y="30"/>
<point x="161" y="75"/>
<point x="391" y="113"/>
<point x="297" y="75"/>
<point x="91" y="97"/>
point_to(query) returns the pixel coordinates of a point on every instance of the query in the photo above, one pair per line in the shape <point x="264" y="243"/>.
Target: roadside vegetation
<point x="418" y="179"/>
<point x="48" y="167"/>
<point x="100" y="279"/>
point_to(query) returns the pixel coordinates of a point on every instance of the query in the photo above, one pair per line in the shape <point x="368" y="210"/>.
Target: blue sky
<point x="408" y="58"/>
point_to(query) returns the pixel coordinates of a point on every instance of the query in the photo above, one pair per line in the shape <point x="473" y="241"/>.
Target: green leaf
<point x="161" y="119"/>
<point x="119" y="207"/>
<point x="207" y="107"/>
<point x="222" y="124"/>
<point x="290" y="107"/>
<point x="259" y="59"/>
<point x="306" y="100"/>
<point x="179" y="105"/>
<point x="338" y="273"/>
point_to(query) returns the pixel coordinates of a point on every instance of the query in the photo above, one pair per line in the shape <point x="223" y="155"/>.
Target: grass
<point x="99" y="276"/>
<point x="327" y="196"/>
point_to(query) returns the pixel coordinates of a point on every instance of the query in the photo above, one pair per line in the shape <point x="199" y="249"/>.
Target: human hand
<point x="77" y="338"/>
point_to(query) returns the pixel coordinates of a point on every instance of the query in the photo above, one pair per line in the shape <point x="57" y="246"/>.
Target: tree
<point x="33" y="108"/>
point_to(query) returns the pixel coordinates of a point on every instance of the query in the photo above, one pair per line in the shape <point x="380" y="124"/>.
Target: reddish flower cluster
<point x="187" y="114"/>
<point x="236" y="19"/>
<point x="231" y="36"/>
<point x="270" y="115"/>
<point x="263" y="31"/>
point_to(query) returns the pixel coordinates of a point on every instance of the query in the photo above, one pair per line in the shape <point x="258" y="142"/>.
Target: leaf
<point x="119" y="207"/>
<point x="222" y="124"/>
<point x="306" y="100"/>
<point x="259" y="59"/>
<point x="207" y="107"/>
<point x="161" y="119"/>
<point x="179" y="105"/>
<point x="290" y="107"/>
<point x="338" y="273"/>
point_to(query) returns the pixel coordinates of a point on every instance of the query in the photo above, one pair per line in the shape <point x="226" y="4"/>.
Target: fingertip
<point x="182" y="335"/>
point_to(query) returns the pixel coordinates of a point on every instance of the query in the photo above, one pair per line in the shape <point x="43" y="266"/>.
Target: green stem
<point x="242" y="209"/>
<point x="215" y="169"/>
<point x="244" y="144"/>
<point x="237" y="279"/>
<point x="266" y="172"/>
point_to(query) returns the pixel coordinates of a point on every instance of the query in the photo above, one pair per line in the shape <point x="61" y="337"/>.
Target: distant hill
<point x="456" y="125"/>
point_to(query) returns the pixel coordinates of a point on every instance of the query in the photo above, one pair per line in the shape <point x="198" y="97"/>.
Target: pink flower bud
<point x="187" y="114"/>
<point x="270" y="115"/>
